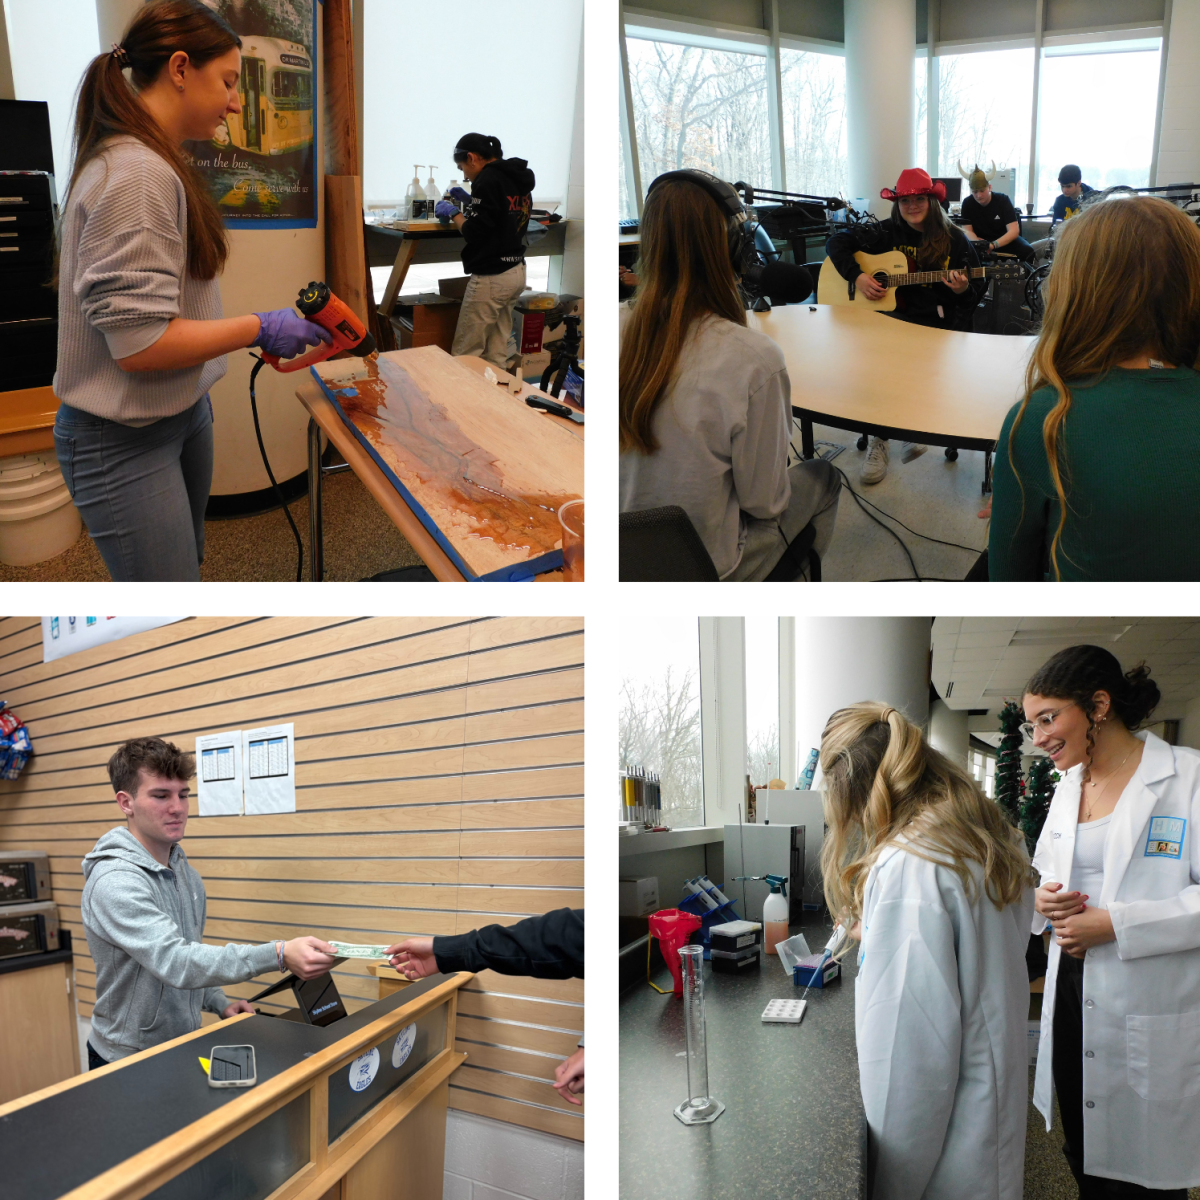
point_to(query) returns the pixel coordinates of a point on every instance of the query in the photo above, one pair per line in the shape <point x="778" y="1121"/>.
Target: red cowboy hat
<point x="915" y="182"/>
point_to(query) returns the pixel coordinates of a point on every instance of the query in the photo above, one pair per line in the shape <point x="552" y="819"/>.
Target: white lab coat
<point x="941" y="1015"/>
<point x="1141" y="993"/>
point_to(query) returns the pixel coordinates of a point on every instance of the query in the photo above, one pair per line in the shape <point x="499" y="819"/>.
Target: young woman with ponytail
<point x="934" y="884"/>
<point x="141" y="332"/>
<point x="1120" y="890"/>
<point x="1095" y="467"/>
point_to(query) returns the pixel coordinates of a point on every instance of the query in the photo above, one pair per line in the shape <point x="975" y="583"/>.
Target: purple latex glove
<point x="459" y="194"/>
<point x="447" y="211"/>
<point x="284" y="333"/>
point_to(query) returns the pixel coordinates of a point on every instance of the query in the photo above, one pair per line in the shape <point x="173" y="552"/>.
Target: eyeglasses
<point x="1045" y="722"/>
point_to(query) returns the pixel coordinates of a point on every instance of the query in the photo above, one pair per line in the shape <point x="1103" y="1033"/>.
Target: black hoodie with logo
<point x="496" y="217"/>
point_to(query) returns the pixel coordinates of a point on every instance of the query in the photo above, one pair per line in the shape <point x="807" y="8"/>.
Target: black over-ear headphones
<point x="742" y="251"/>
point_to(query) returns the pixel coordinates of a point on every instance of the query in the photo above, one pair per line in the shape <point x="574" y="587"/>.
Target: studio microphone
<point x="784" y="283"/>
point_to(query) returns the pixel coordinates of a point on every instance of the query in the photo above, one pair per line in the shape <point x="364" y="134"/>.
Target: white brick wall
<point x="492" y="1160"/>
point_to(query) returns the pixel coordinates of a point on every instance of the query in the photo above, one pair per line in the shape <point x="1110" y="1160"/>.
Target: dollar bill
<point x="350" y="950"/>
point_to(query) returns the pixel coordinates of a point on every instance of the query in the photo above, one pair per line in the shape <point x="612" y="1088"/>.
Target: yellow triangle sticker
<point x="204" y="1062"/>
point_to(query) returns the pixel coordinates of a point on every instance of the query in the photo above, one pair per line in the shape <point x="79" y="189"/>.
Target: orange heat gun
<point x="319" y="304"/>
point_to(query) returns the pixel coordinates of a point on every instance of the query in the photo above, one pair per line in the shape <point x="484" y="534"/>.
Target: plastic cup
<point x="570" y="516"/>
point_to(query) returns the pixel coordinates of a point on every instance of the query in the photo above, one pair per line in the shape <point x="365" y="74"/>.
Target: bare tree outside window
<point x="659" y="729"/>
<point x="814" y="121"/>
<point x="984" y="109"/>
<point x="762" y="756"/>
<point x="696" y="107"/>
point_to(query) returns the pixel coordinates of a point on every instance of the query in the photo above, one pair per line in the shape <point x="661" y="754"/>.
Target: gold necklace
<point x="1087" y="816"/>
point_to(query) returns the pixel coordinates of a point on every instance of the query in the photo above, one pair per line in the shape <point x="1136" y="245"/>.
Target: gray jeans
<point x="815" y="490"/>
<point x="141" y="492"/>
<point x="485" y="319"/>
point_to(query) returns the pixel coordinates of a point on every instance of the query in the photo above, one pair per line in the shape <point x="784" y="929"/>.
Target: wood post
<point x="346" y="269"/>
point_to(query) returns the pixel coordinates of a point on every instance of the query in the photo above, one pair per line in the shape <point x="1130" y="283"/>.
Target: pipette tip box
<point x="784" y="1012"/>
<point x="810" y="974"/>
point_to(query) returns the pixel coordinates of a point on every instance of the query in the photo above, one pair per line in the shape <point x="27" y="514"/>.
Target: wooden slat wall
<point x="439" y="787"/>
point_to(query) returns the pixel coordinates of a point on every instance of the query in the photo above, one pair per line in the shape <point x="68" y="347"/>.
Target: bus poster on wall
<point x="261" y="163"/>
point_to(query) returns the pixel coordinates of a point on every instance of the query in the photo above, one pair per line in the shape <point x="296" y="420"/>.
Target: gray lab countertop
<point x="793" y="1122"/>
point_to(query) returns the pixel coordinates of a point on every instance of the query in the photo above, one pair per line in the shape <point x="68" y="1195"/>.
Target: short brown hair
<point x="152" y="755"/>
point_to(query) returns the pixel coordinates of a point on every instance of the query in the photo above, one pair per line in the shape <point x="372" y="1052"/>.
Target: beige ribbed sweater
<point x="122" y="278"/>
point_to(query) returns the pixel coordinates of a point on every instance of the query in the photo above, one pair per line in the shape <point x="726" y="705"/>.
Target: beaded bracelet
<point x="279" y="955"/>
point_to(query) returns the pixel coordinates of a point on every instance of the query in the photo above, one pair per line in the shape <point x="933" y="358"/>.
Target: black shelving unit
<point x="28" y="228"/>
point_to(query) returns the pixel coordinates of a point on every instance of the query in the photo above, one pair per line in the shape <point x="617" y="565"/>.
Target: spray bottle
<point x="775" y="913"/>
<point x="414" y="197"/>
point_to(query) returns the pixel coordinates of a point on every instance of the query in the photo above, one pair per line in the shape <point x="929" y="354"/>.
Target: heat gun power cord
<point x="287" y="512"/>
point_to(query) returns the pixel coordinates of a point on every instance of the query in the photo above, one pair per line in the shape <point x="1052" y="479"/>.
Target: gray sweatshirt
<point x="722" y="429"/>
<point x="123" y="278"/>
<point x="144" y="923"/>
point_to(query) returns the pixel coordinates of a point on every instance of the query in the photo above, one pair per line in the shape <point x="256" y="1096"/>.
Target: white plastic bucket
<point x="37" y="519"/>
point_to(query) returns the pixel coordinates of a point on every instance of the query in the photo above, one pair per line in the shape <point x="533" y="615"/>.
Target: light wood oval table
<point x="861" y="370"/>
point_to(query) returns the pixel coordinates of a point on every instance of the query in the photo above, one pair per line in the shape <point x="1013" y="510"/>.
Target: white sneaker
<point x="875" y="466"/>
<point x="912" y="450"/>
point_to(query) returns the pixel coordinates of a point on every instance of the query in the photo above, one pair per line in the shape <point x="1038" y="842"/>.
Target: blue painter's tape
<point x="1165" y="839"/>
<point x="516" y="573"/>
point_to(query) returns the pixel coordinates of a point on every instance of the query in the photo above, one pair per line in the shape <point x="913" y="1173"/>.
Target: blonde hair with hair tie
<point x="1126" y="281"/>
<point x="884" y="783"/>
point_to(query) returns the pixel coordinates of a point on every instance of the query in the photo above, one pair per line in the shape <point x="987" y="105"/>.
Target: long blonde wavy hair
<point x="1125" y="281"/>
<point x="883" y="780"/>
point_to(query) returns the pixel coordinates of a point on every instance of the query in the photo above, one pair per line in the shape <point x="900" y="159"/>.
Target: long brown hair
<point x="883" y="780"/>
<point x="1125" y="281"/>
<point x="936" y="233"/>
<point x="108" y="106"/>
<point x="684" y="274"/>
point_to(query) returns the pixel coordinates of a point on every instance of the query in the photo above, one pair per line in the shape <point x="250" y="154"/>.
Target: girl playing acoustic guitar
<point x="920" y="229"/>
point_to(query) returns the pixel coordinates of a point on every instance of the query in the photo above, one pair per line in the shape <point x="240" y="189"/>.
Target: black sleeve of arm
<point x="547" y="947"/>
<point x="484" y="222"/>
<point x="841" y="248"/>
<point x="965" y="257"/>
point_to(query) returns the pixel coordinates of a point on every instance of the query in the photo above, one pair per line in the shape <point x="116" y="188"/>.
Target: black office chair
<point x="660" y="545"/>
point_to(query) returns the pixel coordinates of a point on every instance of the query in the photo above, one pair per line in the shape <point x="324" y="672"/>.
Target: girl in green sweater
<point x="1095" y="469"/>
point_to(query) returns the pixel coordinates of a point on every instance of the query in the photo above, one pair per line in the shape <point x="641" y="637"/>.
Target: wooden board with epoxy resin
<point x="489" y="471"/>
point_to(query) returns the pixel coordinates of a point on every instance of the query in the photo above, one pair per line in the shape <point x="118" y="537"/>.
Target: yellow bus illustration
<point x="277" y="102"/>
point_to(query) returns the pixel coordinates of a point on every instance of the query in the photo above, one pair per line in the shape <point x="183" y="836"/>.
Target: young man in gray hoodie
<point x="143" y="911"/>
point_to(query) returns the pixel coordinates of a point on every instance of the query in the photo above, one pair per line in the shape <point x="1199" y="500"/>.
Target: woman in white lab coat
<point x="926" y="872"/>
<point x="1119" y="867"/>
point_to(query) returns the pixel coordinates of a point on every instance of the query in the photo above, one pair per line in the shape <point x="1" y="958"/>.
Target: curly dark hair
<point x="1079" y="672"/>
<point x="152" y="755"/>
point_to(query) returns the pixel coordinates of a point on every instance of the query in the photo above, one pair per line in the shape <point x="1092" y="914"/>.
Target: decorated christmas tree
<point x="1042" y="778"/>
<point x="1008" y="762"/>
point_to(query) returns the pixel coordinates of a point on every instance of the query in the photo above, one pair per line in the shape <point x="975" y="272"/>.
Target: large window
<point x="814" y="121"/>
<point x="921" y="80"/>
<point x="660" y="712"/>
<point x="1097" y="111"/>
<point x="762" y="699"/>
<point x="985" y="108"/>
<point x="698" y="107"/>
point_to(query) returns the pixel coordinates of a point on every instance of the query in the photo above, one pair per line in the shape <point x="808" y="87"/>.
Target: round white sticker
<point x="405" y="1040"/>
<point x="364" y="1069"/>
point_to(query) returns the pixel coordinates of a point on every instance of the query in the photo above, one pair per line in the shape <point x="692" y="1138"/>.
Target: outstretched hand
<point x="413" y="957"/>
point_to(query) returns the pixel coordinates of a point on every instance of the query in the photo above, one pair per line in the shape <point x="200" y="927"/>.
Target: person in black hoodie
<point x="919" y="228"/>
<point x="493" y="222"/>
<point x="546" y="947"/>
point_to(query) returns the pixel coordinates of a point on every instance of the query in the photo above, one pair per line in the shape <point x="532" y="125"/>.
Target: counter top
<point x="793" y="1122"/>
<point x="116" y="1113"/>
<point x="27" y="962"/>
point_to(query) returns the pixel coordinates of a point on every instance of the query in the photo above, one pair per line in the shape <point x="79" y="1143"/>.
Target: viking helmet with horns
<point x="977" y="179"/>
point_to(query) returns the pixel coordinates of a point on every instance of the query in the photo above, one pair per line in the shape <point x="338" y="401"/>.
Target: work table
<point x="793" y="1122"/>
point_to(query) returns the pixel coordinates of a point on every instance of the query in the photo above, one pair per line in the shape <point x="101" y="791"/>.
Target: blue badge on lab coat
<point x="1166" y="837"/>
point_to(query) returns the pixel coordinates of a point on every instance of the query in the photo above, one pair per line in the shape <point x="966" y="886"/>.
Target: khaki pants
<point x="485" y="320"/>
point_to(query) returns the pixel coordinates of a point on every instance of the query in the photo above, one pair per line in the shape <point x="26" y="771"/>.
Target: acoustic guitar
<point x="891" y="270"/>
